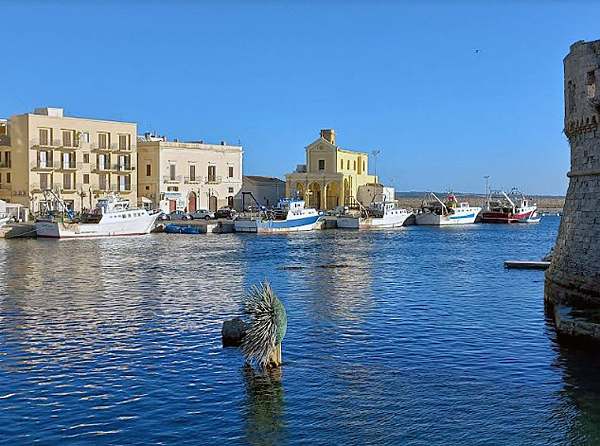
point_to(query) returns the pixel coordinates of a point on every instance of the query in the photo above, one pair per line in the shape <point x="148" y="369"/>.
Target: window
<point x="103" y="162"/>
<point x="341" y="164"/>
<point x="85" y="137"/>
<point x="6" y="159"/>
<point x="348" y="165"/>
<point x="8" y="177"/>
<point x="591" y="83"/>
<point x="230" y="190"/>
<point x="230" y="171"/>
<point x="364" y="166"/>
<point x="45" y="137"/>
<point x="212" y="173"/>
<point x="68" y="138"/>
<point x="148" y="170"/>
<point x="147" y="187"/>
<point x="44" y="181"/>
<point x="192" y="172"/>
<point x="172" y="168"/>
<point x="354" y="164"/>
<point x="86" y="158"/>
<point x="86" y="178"/>
<point x="44" y="159"/>
<point x="67" y="183"/>
<point x="103" y="179"/>
<point x="103" y="140"/>
<point x="123" y="142"/>
<point x="321" y="165"/>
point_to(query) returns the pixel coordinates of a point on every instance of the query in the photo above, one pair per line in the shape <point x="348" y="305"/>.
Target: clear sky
<point x="404" y="78"/>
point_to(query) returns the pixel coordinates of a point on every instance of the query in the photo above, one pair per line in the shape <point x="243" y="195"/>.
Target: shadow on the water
<point x="265" y="407"/>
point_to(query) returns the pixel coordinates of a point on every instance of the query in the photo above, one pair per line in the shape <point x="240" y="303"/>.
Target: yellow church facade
<point x="331" y="176"/>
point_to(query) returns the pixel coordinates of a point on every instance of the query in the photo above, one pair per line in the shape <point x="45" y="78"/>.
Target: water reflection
<point x="264" y="415"/>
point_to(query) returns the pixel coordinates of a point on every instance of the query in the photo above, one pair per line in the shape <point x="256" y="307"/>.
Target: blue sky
<point x="399" y="77"/>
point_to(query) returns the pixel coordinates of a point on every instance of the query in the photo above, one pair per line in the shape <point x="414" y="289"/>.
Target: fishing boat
<point x="112" y="216"/>
<point x="513" y="207"/>
<point x="435" y="212"/>
<point x="381" y="215"/>
<point x="290" y="215"/>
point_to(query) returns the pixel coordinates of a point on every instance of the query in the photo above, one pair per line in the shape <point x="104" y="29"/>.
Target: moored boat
<point x="533" y="218"/>
<point x="4" y="220"/>
<point x="290" y="215"/>
<point x="513" y="207"/>
<point x="111" y="217"/>
<point x="435" y="212"/>
<point x="380" y="215"/>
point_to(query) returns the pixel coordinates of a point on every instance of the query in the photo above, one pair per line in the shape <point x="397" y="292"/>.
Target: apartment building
<point x="331" y="176"/>
<point x="188" y="176"/>
<point x="78" y="159"/>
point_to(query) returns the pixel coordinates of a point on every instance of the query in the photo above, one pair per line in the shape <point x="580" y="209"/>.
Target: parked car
<point x="176" y="215"/>
<point x="225" y="213"/>
<point x="202" y="213"/>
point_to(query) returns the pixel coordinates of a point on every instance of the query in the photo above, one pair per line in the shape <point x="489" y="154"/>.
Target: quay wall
<point x="573" y="277"/>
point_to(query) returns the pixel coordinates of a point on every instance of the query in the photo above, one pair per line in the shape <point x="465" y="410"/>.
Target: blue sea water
<point x="414" y="336"/>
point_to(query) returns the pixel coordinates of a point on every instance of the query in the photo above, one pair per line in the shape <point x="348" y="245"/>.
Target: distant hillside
<point x="420" y="194"/>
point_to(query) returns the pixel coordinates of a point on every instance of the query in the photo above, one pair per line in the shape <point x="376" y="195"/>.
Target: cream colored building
<point x="78" y="159"/>
<point x="188" y="175"/>
<point x="331" y="176"/>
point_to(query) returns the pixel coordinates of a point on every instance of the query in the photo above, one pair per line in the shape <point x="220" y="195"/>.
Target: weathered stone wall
<point x="574" y="275"/>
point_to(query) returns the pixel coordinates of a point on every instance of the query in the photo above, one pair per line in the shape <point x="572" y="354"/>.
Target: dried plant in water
<point x="262" y="343"/>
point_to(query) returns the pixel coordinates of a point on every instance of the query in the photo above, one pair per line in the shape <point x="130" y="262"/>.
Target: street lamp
<point x="375" y="153"/>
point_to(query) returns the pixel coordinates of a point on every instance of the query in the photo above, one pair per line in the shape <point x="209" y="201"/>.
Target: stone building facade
<point x="331" y="176"/>
<point x="79" y="159"/>
<point x="573" y="278"/>
<point x="188" y="176"/>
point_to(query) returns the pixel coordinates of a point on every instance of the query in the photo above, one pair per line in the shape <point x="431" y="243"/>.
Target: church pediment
<point x="321" y="145"/>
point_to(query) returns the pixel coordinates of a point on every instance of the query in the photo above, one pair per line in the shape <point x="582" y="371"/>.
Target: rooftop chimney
<point x="329" y="135"/>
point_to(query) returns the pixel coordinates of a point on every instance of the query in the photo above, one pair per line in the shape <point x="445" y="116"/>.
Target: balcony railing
<point x="193" y="180"/>
<point x="5" y="186"/>
<point x="44" y="165"/>
<point x="95" y="147"/>
<point x="169" y="179"/>
<point x="37" y="142"/>
<point x="68" y="166"/>
<point x="211" y="179"/>
<point x="125" y="167"/>
<point x="4" y="164"/>
<point x="104" y="167"/>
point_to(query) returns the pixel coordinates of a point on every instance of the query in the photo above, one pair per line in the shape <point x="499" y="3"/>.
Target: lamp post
<point x="375" y="153"/>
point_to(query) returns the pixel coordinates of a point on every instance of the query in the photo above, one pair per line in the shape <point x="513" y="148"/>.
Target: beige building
<point x="331" y="176"/>
<point x="188" y="176"/>
<point x="78" y="159"/>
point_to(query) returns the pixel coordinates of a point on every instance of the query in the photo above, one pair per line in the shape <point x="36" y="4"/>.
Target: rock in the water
<point x="233" y="332"/>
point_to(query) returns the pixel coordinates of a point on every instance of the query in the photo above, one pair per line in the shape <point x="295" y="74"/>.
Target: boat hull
<point x="135" y="226"/>
<point x="271" y="226"/>
<point x="432" y="219"/>
<point x="503" y="217"/>
<point x="385" y="222"/>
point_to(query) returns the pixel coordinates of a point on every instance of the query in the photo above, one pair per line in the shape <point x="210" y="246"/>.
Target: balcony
<point x="192" y="180"/>
<point x="4" y="165"/>
<point x="74" y="146"/>
<point x="211" y="179"/>
<point x="65" y="167"/>
<point x="169" y="179"/>
<point x="104" y="167"/>
<point x="95" y="147"/>
<point x="125" y="168"/>
<point x="124" y="149"/>
<point x="102" y="188"/>
<point x="5" y="186"/>
<point x="44" y="143"/>
<point x="44" y="165"/>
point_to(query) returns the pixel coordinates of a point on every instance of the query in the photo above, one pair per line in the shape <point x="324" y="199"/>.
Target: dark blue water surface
<point x="418" y="336"/>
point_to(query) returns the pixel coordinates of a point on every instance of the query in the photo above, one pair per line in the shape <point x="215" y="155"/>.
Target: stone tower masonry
<point x="573" y="278"/>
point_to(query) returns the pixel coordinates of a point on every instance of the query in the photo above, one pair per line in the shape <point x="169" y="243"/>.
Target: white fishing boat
<point x="111" y="217"/>
<point x="436" y="212"/>
<point x="380" y="215"/>
<point x="290" y="215"/>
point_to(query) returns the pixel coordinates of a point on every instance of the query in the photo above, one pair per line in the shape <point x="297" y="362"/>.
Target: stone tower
<point x="573" y="278"/>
